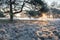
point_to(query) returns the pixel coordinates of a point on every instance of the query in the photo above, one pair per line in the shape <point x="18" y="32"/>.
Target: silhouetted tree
<point x="11" y="12"/>
<point x="40" y="5"/>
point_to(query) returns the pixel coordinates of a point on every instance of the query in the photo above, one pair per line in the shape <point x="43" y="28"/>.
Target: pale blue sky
<point x="50" y="1"/>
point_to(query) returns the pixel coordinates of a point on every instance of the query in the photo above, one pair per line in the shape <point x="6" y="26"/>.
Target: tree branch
<point x="17" y="11"/>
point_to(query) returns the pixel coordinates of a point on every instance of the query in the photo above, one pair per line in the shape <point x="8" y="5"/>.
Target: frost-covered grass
<point x="29" y="30"/>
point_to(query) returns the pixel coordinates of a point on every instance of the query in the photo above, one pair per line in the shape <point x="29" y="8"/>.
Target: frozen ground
<point x="30" y="30"/>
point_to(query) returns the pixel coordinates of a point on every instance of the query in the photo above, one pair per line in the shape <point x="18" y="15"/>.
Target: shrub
<point x="1" y="14"/>
<point x="34" y="13"/>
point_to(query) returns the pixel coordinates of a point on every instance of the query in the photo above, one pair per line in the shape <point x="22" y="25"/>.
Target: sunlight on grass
<point x="45" y="17"/>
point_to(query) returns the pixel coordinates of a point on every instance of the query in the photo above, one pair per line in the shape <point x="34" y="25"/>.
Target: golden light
<point x="44" y="16"/>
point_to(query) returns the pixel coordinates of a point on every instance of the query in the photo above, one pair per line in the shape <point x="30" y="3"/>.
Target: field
<point x="30" y="30"/>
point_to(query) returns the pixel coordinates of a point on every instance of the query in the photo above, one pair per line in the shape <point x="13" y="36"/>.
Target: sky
<point x="50" y="1"/>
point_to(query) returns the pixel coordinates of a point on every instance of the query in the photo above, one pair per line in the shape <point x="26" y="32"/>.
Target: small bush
<point x="1" y="14"/>
<point x="34" y="13"/>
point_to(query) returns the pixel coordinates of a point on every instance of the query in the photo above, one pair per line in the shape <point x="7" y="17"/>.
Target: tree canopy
<point x="15" y="5"/>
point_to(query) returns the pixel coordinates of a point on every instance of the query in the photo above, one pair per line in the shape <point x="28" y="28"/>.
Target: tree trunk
<point x="11" y="11"/>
